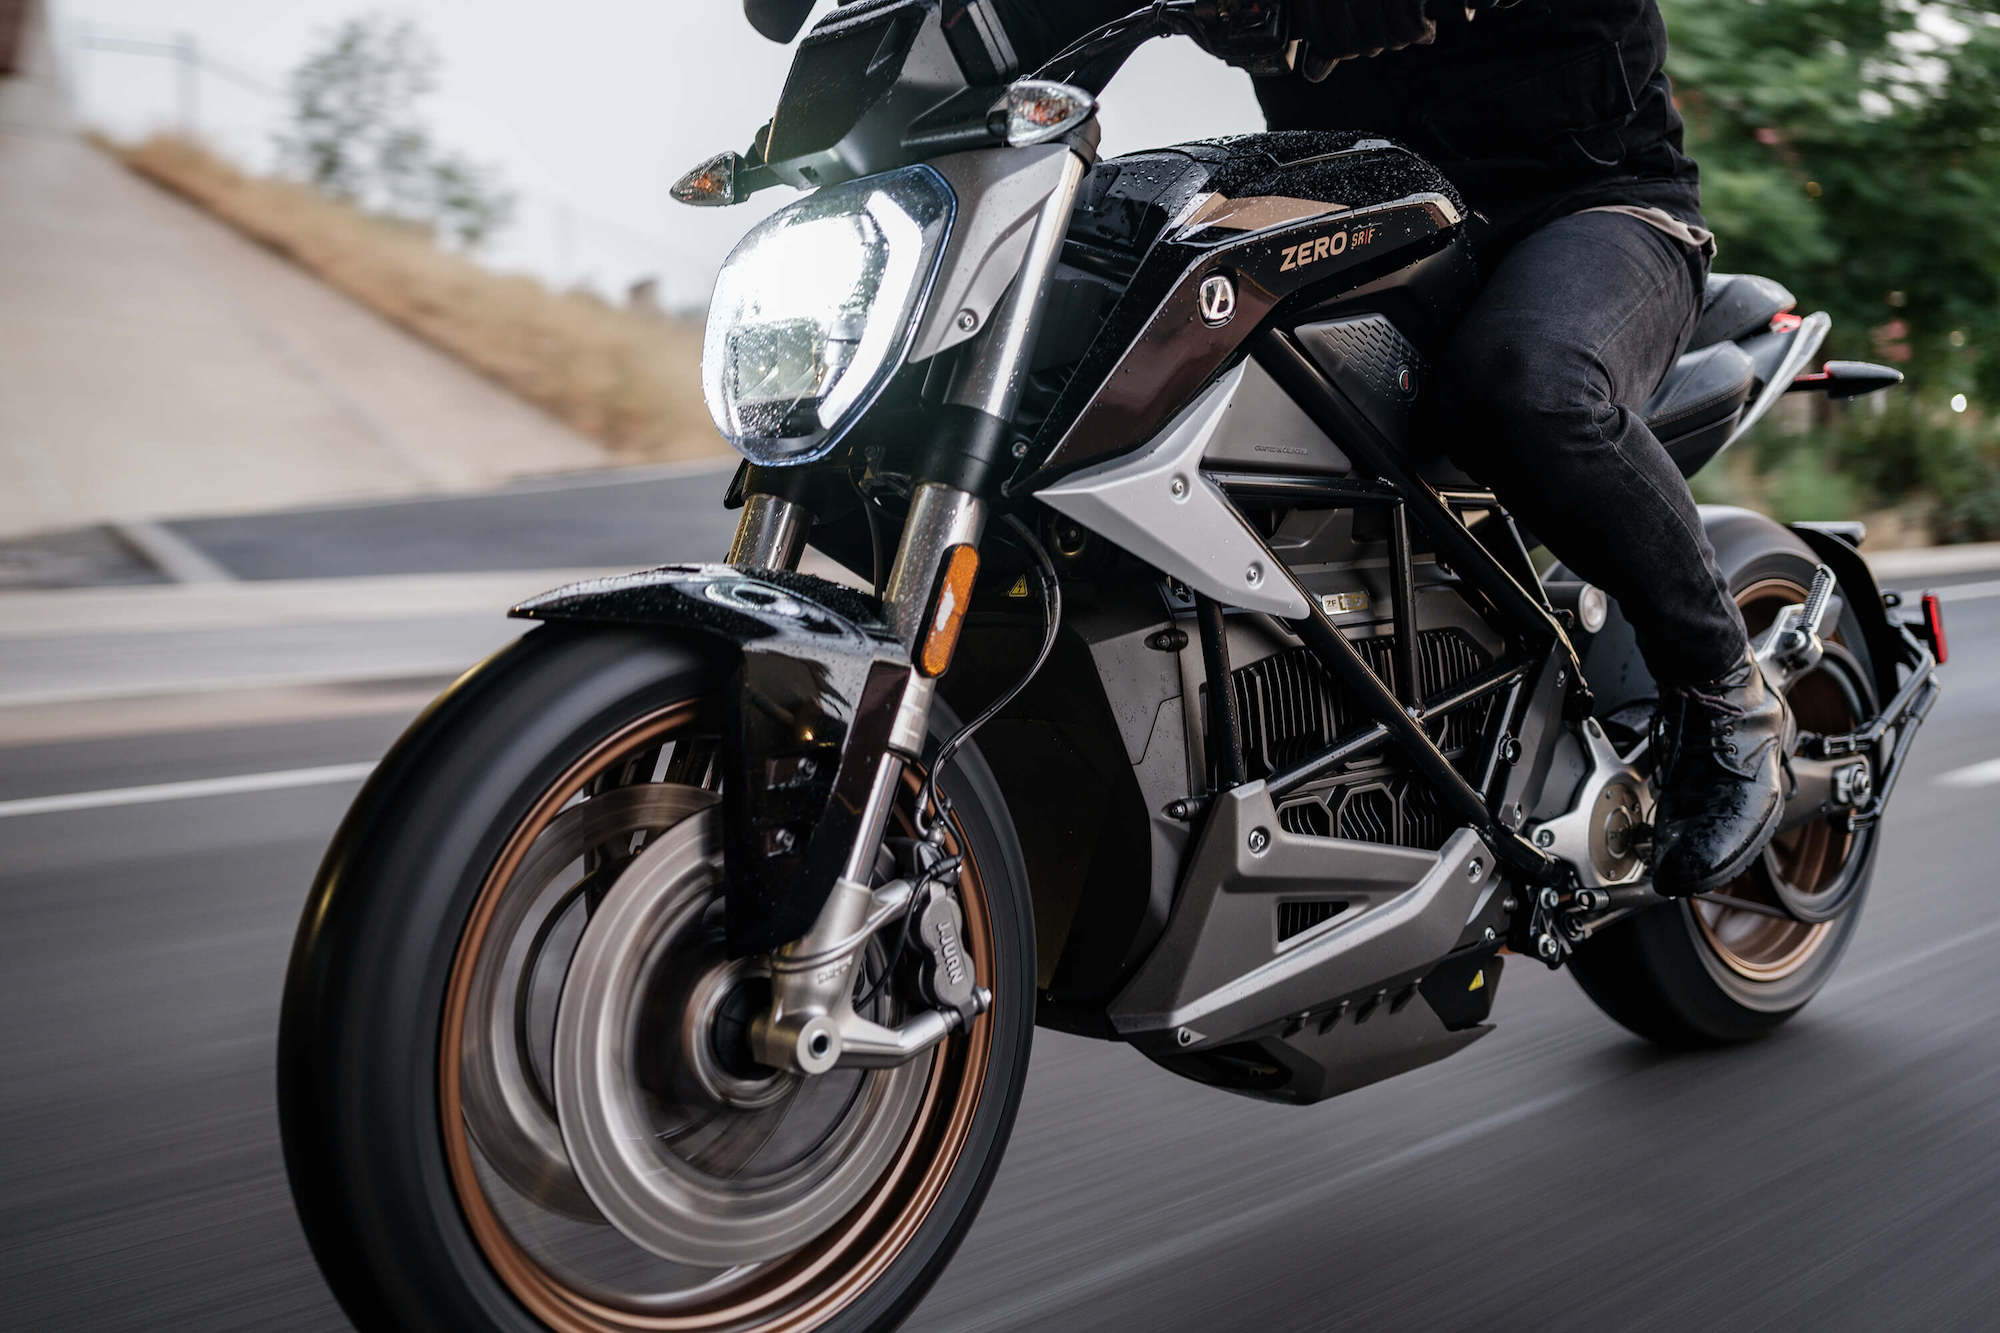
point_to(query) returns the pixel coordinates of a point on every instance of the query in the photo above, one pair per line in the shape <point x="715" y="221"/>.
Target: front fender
<point x="813" y="692"/>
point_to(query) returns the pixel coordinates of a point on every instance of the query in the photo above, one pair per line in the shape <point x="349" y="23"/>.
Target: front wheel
<point x="1733" y="965"/>
<point x="513" y="1071"/>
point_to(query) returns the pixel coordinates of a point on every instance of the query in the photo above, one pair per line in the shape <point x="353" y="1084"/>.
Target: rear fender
<point x="1836" y="545"/>
<point x="814" y="685"/>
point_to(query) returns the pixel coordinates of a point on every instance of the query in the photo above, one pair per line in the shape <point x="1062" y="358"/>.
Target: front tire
<point x="1695" y="973"/>
<point x="433" y="1189"/>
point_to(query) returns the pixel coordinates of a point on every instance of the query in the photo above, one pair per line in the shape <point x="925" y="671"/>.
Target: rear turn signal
<point x="1934" y="627"/>
<point x="954" y="594"/>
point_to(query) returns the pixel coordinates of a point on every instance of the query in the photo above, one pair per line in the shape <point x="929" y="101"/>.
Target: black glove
<point x="1337" y="30"/>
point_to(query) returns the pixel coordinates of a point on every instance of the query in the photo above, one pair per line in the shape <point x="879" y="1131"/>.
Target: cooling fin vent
<point x="1367" y="814"/>
<point x="1291" y="708"/>
<point x="1306" y="817"/>
<point x="1296" y="918"/>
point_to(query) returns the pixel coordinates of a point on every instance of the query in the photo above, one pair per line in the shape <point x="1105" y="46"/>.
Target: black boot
<point x="1721" y="749"/>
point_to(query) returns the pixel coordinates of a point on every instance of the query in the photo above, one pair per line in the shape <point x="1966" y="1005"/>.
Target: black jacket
<point x="1533" y="111"/>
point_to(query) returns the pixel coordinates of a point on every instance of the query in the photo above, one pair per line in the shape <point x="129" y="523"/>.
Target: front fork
<point x="811" y="1026"/>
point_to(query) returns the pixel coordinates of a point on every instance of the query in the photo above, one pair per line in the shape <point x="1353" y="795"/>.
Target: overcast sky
<point x="590" y="108"/>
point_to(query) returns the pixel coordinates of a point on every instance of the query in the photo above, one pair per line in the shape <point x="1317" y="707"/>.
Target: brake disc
<point x="681" y="1160"/>
<point x="509" y="1110"/>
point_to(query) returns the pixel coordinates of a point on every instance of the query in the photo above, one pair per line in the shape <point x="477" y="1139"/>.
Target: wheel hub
<point x="710" y="1047"/>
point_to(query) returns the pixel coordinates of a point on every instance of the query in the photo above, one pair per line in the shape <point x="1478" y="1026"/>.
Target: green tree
<point x="355" y="134"/>
<point x="1851" y="149"/>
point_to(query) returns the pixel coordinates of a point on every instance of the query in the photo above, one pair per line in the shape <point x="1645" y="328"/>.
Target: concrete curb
<point x="157" y="608"/>
<point x="1919" y="562"/>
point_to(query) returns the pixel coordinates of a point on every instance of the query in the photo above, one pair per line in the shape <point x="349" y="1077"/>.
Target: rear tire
<point x="1685" y="974"/>
<point x="376" y="1167"/>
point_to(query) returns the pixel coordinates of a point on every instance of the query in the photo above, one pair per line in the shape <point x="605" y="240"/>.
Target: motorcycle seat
<point x="1737" y="305"/>
<point x="1692" y="412"/>
<point x="1697" y="404"/>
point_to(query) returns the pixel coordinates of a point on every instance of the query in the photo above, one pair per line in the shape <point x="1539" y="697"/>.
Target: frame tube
<point x="1533" y="623"/>
<point x="1403" y="606"/>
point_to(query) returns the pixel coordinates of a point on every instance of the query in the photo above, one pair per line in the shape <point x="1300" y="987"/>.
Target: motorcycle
<point x="677" y="969"/>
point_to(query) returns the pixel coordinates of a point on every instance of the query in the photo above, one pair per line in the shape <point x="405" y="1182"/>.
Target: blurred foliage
<point x="1938" y="469"/>
<point x="355" y="137"/>
<point x="1851" y="149"/>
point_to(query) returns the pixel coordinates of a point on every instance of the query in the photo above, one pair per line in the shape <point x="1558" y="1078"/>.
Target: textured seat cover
<point x="1704" y="387"/>
<point x="1737" y="304"/>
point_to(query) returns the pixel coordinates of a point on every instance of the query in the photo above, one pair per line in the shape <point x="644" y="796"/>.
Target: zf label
<point x="1325" y="247"/>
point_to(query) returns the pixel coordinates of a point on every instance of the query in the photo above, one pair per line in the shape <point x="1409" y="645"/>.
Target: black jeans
<point x="1543" y="381"/>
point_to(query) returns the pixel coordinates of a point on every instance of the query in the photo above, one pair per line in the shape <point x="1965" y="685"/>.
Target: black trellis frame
<point x="1398" y="717"/>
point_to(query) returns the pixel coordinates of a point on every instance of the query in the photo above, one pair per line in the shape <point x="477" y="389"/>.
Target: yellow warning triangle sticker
<point x="1020" y="588"/>
<point x="1478" y="980"/>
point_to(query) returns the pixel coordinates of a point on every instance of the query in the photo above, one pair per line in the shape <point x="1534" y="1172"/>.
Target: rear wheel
<point x="1733" y="965"/>
<point x="515" y="1080"/>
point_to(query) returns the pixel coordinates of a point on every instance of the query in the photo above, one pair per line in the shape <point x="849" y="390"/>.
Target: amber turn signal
<point x="954" y="594"/>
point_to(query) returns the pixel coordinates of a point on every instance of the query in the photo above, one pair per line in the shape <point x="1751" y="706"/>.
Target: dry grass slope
<point x="629" y="379"/>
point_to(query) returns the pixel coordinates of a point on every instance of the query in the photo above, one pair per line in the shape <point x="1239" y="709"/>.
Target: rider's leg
<point x="1574" y="330"/>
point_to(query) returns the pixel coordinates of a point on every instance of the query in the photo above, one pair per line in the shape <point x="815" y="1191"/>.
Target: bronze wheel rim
<point x="802" y="1290"/>
<point x="1758" y="945"/>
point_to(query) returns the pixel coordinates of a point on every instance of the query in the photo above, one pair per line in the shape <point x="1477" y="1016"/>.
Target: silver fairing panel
<point x="1157" y="504"/>
<point x="1000" y="192"/>
<point x="1222" y="970"/>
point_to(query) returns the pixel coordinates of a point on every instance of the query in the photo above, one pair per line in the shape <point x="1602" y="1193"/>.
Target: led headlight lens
<point x="814" y="310"/>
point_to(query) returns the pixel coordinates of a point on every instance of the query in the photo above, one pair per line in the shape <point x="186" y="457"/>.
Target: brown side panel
<point x="1176" y="354"/>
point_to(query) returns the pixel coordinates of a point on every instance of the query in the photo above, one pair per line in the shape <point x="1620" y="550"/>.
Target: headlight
<point x="814" y="310"/>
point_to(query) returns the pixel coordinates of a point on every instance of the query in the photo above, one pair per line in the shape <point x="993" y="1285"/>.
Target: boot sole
<point x="1739" y="863"/>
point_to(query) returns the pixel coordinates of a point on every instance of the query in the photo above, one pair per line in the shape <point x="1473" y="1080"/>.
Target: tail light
<point x="1934" y="627"/>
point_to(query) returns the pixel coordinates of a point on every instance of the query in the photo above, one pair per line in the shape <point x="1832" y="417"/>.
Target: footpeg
<point x="1792" y="646"/>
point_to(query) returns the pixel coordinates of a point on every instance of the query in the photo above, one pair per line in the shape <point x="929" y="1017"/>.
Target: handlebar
<point x="1255" y="35"/>
<point x="1250" y="34"/>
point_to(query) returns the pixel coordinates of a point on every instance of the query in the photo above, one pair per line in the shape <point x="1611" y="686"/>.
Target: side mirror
<point x="780" y="20"/>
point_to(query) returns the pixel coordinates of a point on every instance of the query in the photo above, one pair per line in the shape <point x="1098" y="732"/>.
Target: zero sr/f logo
<point x="1325" y="247"/>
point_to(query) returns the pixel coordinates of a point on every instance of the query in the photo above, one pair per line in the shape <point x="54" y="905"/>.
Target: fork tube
<point x="771" y="534"/>
<point x="985" y="388"/>
<point x="941" y="517"/>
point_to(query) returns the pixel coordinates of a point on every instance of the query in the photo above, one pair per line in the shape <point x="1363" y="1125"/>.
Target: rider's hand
<point x="1337" y="30"/>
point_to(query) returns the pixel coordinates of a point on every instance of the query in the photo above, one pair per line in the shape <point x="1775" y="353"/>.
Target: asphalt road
<point x="1843" y="1175"/>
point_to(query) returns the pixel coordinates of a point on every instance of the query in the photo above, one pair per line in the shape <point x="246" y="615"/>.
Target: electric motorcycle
<point x="1161" y="682"/>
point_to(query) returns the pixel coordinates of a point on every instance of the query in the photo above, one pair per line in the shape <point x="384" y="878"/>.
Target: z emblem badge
<point x="1217" y="300"/>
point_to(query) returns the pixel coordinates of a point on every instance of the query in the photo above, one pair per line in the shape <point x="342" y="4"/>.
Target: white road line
<point x="1982" y="774"/>
<point x="237" y="785"/>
